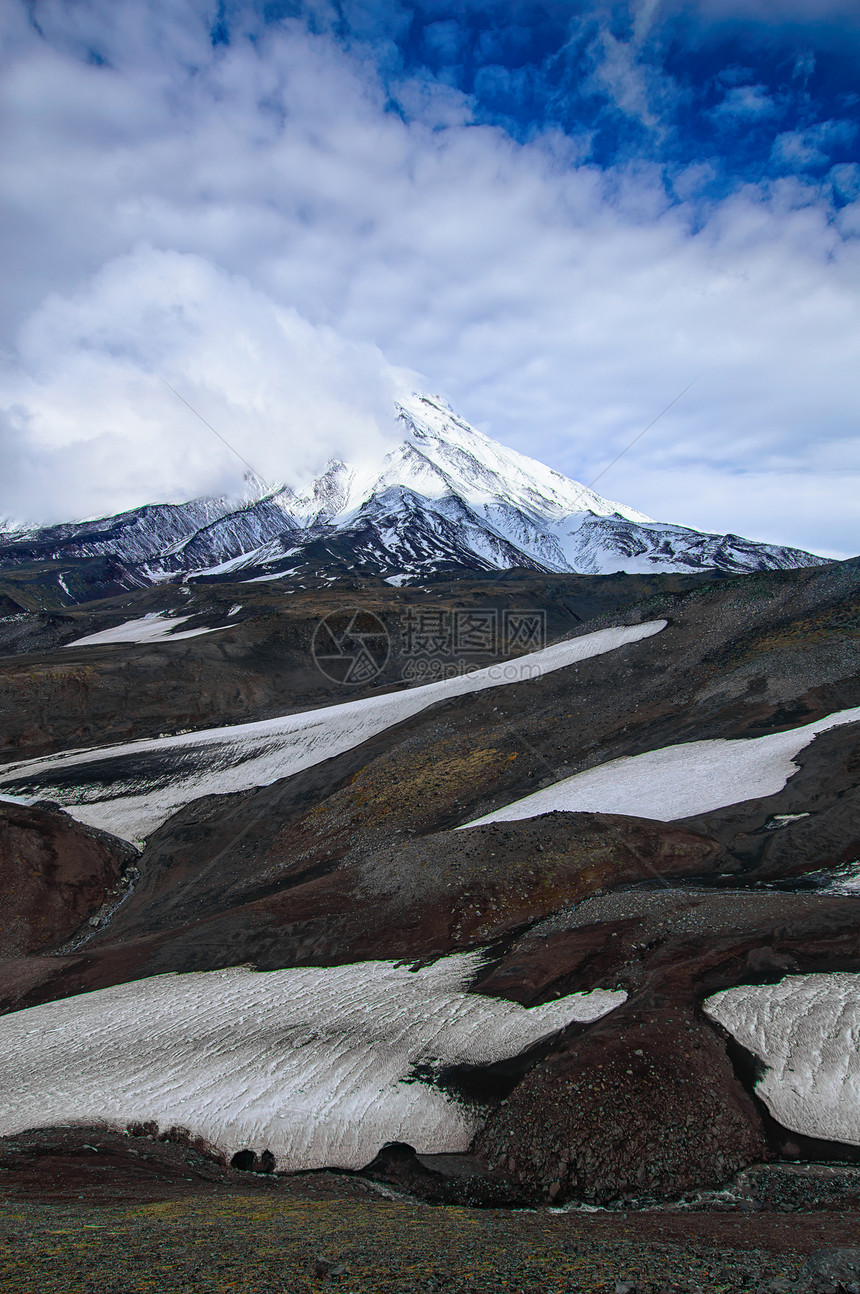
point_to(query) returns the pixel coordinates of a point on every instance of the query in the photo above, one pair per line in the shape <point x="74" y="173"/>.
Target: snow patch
<point x="806" y="1030"/>
<point x="148" y="628"/>
<point x="844" y="879"/>
<point x="312" y="1063"/>
<point x="677" y="781"/>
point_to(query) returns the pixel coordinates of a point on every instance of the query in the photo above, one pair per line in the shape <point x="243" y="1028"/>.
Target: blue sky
<point x="737" y="91"/>
<point x="556" y="215"/>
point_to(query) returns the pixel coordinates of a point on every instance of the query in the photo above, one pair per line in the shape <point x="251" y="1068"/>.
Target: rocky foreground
<point x="86" y="1210"/>
<point x="167" y="1220"/>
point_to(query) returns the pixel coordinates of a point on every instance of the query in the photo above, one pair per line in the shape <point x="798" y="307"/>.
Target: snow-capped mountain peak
<point x="441" y="456"/>
<point x="327" y="496"/>
<point x="483" y="472"/>
<point x="446" y="498"/>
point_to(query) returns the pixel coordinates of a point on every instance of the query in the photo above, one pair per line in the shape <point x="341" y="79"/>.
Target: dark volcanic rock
<point x="443" y="1179"/>
<point x="103" y="1166"/>
<point x="54" y="695"/>
<point x="649" y="1100"/>
<point x="645" y="1102"/>
<point x="441" y="894"/>
<point x="54" y="875"/>
<point x="822" y="798"/>
<point x="830" y="1271"/>
<point x="678" y="941"/>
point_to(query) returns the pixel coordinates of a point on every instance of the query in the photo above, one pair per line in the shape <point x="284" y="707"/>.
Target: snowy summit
<point x="447" y="499"/>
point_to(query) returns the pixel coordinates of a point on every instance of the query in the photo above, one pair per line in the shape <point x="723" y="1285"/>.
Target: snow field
<point x="677" y="781"/>
<point x="310" y="1063"/>
<point x="806" y="1029"/>
<point x="133" y="801"/>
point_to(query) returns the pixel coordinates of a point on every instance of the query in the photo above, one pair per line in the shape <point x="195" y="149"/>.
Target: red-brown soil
<point x="54" y="875"/>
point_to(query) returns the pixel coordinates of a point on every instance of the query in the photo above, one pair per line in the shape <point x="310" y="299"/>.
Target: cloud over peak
<point x="91" y="401"/>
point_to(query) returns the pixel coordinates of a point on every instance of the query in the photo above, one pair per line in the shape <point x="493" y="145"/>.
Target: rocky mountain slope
<point x="446" y="500"/>
<point x="518" y="1007"/>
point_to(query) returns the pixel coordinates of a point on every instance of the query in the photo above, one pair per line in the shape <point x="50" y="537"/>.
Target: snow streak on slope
<point x="149" y="628"/>
<point x="844" y="879"/>
<point x="308" y="1063"/>
<point x="595" y="545"/>
<point x="142" y="535"/>
<point x="677" y="781"/>
<point x="806" y="1029"/>
<point x="131" y="789"/>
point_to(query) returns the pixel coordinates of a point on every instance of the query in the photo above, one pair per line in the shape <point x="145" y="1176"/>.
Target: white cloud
<point x="796" y="149"/>
<point x="804" y="66"/>
<point x="558" y="307"/>
<point x="89" y="407"/>
<point x="751" y="101"/>
<point x="814" y="509"/>
<point x="625" y="79"/>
